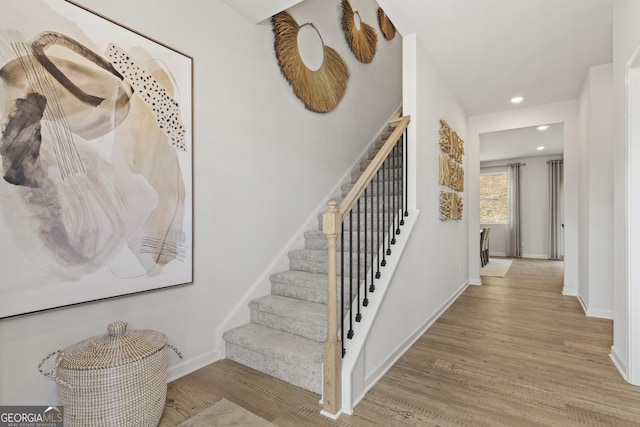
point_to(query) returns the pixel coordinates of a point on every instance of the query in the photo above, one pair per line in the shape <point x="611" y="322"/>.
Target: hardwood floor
<point x="512" y="352"/>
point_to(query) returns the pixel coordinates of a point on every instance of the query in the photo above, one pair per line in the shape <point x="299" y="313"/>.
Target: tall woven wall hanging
<point x="363" y="41"/>
<point x="387" y="28"/>
<point x="451" y="173"/>
<point x="320" y="90"/>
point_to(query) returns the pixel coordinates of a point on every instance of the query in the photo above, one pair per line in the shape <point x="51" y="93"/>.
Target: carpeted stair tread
<point x="285" y="356"/>
<point x="301" y="285"/>
<point x="316" y="240"/>
<point x="298" y="317"/>
<point x="274" y="343"/>
<point x="300" y="278"/>
<point x="315" y="261"/>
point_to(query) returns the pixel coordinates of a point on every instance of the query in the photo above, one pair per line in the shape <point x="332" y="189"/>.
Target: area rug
<point x="225" y="413"/>
<point x="496" y="267"/>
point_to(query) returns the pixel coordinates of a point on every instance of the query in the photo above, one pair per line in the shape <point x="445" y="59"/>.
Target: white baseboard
<point x="591" y="312"/>
<point x="618" y="362"/>
<point x="601" y="314"/>
<point x="186" y="367"/>
<point x="582" y="304"/>
<point x="475" y="282"/>
<point x="535" y="256"/>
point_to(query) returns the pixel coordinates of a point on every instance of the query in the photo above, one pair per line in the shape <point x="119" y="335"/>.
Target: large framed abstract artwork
<point x="96" y="148"/>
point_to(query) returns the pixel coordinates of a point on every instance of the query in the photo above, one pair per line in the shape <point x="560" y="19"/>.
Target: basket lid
<point x="119" y="347"/>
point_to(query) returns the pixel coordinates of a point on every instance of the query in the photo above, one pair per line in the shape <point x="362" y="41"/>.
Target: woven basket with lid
<point x="116" y="379"/>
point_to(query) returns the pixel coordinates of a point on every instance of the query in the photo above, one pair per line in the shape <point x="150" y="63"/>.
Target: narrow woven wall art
<point x="387" y="28"/>
<point x="363" y="41"/>
<point x="320" y="90"/>
<point x="451" y="206"/>
<point x="450" y="142"/>
<point x="451" y="172"/>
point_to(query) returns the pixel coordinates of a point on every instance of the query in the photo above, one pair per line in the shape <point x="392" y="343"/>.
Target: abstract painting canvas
<point x="95" y="142"/>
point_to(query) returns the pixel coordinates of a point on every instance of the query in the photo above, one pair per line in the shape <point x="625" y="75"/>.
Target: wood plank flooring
<point x="512" y="352"/>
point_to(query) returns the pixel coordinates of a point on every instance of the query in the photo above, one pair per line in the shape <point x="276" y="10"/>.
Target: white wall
<point x="534" y="182"/>
<point x="625" y="351"/>
<point x="262" y="166"/>
<point x="562" y="112"/>
<point x="434" y="267"/>
<point x="596" y="192"/>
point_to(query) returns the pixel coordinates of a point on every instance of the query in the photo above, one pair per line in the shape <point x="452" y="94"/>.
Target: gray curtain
<point x="513" y="225"/>
<point x="556" y="230"/>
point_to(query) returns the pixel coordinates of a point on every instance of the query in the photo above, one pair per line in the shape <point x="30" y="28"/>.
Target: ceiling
<point x="489" y="51"/>
<point x="523" y="142"/>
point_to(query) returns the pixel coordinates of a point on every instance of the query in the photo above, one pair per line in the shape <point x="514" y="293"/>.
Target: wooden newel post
<point x="332" y="358"/>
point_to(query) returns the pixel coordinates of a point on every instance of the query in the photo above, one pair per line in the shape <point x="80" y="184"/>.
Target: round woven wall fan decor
<point x="387" y="28"/>
<point x="362" y="41"/>
<point x="320" y="90"/>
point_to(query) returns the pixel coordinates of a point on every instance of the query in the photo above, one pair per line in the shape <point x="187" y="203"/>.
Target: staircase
<point x="287" y="328"/>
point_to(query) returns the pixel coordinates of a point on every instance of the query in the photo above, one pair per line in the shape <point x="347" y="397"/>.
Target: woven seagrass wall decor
<point x="363" y="41"/>
<point x="451" y="172"/>
<point x="320" y="90"/>
<point x="450" y="206"/>
<point x="387" y="28"/>
<point x="450" y="142"/>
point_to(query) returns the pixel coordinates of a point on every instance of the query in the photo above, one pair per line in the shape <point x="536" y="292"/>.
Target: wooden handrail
<point x="332" y="227"/>
<point x="369" y="173"/>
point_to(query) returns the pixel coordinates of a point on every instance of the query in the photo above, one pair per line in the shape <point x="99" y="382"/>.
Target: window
<point x="493" y="199"/>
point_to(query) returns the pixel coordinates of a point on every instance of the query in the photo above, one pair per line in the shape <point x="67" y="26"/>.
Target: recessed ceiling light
<point x="517" y="100"/>
<point x="543" y="127"/>
<point x="540" y="148"/>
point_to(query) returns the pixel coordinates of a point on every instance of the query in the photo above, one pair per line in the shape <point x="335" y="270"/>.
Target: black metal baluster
<point x="402" y="184"/>
<point x="388" y="201"/>
<point x="378" y="240"/>
<point x="398" y="185"/>
<point x="384" y="213"/>
<point x="365" y="301"/>
<point x="394" y="214"/>
<point x="358" y="315"/>
<point x="350" y="333"/>
<point x="344" y="351"/>
<point x="373" y="250"/>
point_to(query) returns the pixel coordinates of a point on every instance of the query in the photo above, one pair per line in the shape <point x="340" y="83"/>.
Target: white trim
<point x="536" y="256"/>
<point x="585" y="309"/>
<point x="600" y="314"/>
<point x="330" y="415"/>
<point x="570" y="292"/>
<point x="632" y="209"/>
<point x="188" y="366"/>
<point x="382" y="369"/>
<point x="502" y="254"/>
<point x="618" y="362"/>
<point x="475" y="282"/>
